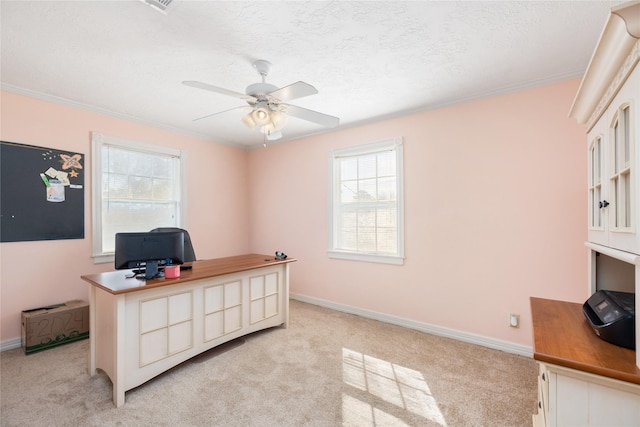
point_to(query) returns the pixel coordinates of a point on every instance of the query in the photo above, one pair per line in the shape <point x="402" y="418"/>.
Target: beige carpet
<point x="327" y="369"/>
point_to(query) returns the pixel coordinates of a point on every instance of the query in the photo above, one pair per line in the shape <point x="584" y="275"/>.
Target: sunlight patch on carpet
<point x="400" y="386"/>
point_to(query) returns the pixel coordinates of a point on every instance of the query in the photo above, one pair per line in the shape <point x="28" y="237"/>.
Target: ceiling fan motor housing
<point x="260" y="89"/>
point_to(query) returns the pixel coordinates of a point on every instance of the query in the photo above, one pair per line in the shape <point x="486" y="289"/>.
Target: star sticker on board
<point x="73" y="174"/>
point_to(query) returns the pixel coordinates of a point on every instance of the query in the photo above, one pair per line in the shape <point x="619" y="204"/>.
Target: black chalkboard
<point x="41" y="193"/>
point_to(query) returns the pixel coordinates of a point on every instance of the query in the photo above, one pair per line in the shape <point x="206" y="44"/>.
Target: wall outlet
<point x="514" y="320"/>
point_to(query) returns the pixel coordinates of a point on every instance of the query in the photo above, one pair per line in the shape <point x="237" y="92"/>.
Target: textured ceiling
<point x="369" y="60"/>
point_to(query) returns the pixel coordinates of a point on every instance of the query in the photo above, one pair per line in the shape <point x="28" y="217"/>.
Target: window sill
<point x="381" y="259"/>
<point x="103" y="258"/>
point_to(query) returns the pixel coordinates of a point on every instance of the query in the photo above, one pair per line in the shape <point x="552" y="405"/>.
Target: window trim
<point x="357" y="150"/>
<point x="98" y="140"/>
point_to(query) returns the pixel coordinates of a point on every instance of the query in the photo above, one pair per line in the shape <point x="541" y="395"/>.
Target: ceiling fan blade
<point x="244" y="107"/>
<point x="312" y="116"/>
<point x="220" y="90"/>
<point x="294" y="91"/>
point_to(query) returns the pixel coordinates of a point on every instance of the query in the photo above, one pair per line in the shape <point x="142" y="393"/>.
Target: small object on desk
<point x="281" y="256"/>
<point x="186" y="267"/>
<point x="172" y="271"/>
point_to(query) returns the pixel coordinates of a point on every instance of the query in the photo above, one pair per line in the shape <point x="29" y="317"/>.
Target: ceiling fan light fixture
<point x="278" y="120"/>
<point x="261" y="116"/>
<point x="248" y="121"/>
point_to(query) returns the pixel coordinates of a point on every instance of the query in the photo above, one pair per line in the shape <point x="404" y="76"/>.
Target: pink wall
<point x="495" y="212"/>
<point x="33" y="274"/>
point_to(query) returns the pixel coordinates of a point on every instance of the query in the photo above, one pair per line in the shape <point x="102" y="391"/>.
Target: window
<point x="366" y="214"/>
<point x="136" y="187"/>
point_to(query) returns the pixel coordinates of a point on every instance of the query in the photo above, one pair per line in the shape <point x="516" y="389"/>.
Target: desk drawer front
<point x="166" y="326"/>
<point x="264" y="296"/>
<point x="222" y="309"/>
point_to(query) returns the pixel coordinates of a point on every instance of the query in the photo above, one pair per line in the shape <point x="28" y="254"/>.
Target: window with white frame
<point x="366" y="207"/>
<point x="136" y="187"/>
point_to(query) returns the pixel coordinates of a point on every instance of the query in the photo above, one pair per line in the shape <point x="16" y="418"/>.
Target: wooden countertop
<point x="562" y="336"/>
<point x="119" y="281"/>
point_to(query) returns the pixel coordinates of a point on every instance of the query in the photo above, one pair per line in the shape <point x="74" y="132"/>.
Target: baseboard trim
<point x="484" y="341"/>
<point x="493" y="343"/>
<point x="10" y="344"/>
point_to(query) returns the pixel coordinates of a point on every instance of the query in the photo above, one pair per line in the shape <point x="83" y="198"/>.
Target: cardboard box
<point x="47" y="327"/>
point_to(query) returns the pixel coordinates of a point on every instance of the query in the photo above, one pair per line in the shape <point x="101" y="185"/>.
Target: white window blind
<point x="136" y="187"/>
<point x="366" y="202"/>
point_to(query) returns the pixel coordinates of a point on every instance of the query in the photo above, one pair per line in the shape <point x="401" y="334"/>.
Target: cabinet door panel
<point x="623" y="164"/>
<point x="611" y="407"/>
<point x="232" y="319"/>
<point x="271" y="283"/>
<point x="257" y="310"/>
<point x="271" y="305"/>
<point x="153" y="314"/>
<point x="598" y="194"/>
<point x="180" y="337"/>
<point x="213" y="299"/>
<point x="180" y="308"/>
<point x="572" y="397"/>
<point x="153" y="346"/>
<point x="257" y="287"/>
<point x="232" y="294"/>
<point x="214" y="325"/>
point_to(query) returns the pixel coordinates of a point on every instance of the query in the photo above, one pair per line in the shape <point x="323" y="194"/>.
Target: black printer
<point x="612" y="317"/>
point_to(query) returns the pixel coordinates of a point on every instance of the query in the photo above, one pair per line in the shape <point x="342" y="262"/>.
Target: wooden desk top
<point x="118" y="282"/>
<point x="562" y="336"/>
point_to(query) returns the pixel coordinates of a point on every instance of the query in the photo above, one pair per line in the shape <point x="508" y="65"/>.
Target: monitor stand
<point x="151" y="270"/>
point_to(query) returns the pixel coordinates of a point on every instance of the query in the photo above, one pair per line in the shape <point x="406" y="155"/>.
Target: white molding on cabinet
<point x="616" y="53"/>
<point x="614" y="253"/>
<point x="615" y="85"/>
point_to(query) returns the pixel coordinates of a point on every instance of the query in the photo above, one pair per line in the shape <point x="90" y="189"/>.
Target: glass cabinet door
<point x="595" y="183"/>
<point x="621" y="218"/>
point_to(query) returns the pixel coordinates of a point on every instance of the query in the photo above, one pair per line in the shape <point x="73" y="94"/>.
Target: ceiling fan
<point x="267" y="109"/>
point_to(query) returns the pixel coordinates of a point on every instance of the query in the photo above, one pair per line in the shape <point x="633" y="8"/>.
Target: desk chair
<point x="189" y="253"/>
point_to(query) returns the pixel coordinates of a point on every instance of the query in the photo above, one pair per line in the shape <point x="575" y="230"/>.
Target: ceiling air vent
<point x="159" y="5"/>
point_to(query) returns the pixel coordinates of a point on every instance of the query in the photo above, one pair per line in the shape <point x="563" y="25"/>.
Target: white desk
<point x="139" y="329"/>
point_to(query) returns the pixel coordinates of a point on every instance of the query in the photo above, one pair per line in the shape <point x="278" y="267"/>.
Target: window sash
<point x="136" y="187"/>
<point x="366" y="215"/>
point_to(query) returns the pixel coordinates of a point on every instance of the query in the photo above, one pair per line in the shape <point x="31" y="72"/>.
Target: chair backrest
<point x="189" y="253"/>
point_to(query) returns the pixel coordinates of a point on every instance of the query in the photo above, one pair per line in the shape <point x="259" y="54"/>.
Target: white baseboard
<point x="10" y="344"/>
<point x="493" y="343"/>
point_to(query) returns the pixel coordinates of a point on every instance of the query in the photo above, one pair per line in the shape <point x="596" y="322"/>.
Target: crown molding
<point x="615" y="56"/>
<point x="85" y="107"/>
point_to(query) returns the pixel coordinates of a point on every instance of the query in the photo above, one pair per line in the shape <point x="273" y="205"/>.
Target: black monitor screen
<point x="149" y="249"/>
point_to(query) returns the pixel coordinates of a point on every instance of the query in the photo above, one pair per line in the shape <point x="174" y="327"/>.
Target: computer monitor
<point x="148" y="251"/>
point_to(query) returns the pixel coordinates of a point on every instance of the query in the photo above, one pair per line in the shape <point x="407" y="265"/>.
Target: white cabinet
<point x="608" y="103"/>
<point x="612" y="179"/>
<point x="573" y="398"/>
<point x="540" y="419"/>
